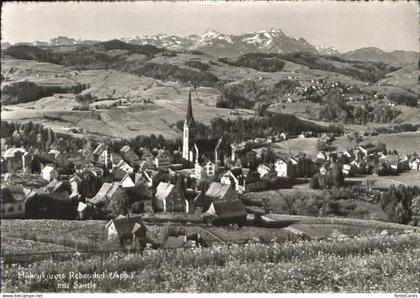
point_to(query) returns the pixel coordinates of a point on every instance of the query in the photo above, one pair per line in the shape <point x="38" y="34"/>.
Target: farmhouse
<point x="55" y="205"/>
<point x="169" y="199"/>
<point x="105" y="193"/>
<point x="414" y="163"/>
<point x="216" y="192"/>
<point x="13" y="201"/>
<point x="130" y="230"/>
<point x="14" y="160"/>
<point x="227" y="212"/>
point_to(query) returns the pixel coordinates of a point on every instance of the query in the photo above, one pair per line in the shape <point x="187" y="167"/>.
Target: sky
<point x="344" y="25"/>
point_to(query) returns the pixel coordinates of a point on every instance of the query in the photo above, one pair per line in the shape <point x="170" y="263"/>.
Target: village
<point x="205" y="188"/>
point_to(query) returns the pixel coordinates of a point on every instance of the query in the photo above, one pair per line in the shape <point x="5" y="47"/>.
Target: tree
<point x="84" y="100"/>
<point x="415" y="211"/>
<point x="314" y="183"/>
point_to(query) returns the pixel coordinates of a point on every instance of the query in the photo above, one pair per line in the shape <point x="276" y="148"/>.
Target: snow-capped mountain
<point x="213" y="42"/>
<point x="219" y="44"/>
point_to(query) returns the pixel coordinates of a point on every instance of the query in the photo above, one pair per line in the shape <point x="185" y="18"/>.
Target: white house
<point x="102" y="155"/>
<point x="208" y="168"/>
<point x="122" y="165"/>
<point x="322" y="156"/>
<point x="127" y="181"/>
<point x="234" y="177"/>
<point x="75" y="180"/>
<point x="263" y="170"/>
<point x="285" y="169"/>
<point x="162" y="160"/>
<point x="415" y="164"/>
<point x="49" y="172"/>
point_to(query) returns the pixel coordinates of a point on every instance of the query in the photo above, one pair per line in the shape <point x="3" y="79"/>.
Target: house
<point x="49" y="172"/>
<point x="392" y="161"/>
<point x="58" y="186"/>
<point x="3" y="165"/>
<point x="253" y="181"/>
<point x="127" y="181"/>
<point x="234" y="177"/>
<point x="129" y="156"/>
<point x="404" y="164"/>
<point x="323" y="170"/>
<point x="227" y="212"/>
<point x="145" y="177"/>
<point x="259" y="152"/>
<point x="162" y="160"/>
<point x="207" y="149"/>
<point x="322" y="156"/>
<point x="56" y="155"/>
<point x="104" y="195"/>
<point x="55" y="205"/>
<point x="102" y="155"/>
<point x="349" y="170"/>
<point x="216" y="191"/>
<point x="281" y="137"/>
<point x="347" y="154"/>
<point x="263" y="170"/>
<point x="193" y="197"/>
<point x="147" y="155"/>
<point x="14" y="159"/>
<point x="75" y="181"/>
<point x="243" y="180"/>
<point x="286" y="169"/>
<point x="13" y="200"/>
<point x="368" y="149"/>
<point x="414" y="163"/>
<point x="131" y="230"/>
<point x="84" y="210"/>
<point x="204" y="169"/>
<point x="124" y="166"/>
<point x="169" y="199"/>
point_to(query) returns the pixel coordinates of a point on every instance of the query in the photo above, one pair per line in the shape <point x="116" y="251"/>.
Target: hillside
<point x="132" y="83"/>
<point x="378" y="55"/>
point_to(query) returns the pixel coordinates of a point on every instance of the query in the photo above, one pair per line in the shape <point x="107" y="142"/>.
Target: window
<point x="2" y="211"/>
<point x="20" y="207"/>
<point x="11" y="209"/>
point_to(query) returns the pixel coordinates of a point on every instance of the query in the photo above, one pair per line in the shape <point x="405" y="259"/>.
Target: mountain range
<point x="218" y="44"/>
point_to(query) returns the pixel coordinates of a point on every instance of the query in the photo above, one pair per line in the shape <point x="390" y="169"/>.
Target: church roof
<point x="207" y="145"/>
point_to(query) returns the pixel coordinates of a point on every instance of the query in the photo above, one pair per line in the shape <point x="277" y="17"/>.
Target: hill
<point x="378" y="55"/>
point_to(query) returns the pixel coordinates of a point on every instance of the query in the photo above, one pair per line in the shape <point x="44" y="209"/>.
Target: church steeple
<point x="189" y="129"/>
<point x="190" y="118"/>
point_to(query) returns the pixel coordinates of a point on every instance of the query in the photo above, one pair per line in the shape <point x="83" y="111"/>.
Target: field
<point x="368" y="263"/>
<point x="58" y="235"/>
<point x="403" y="142"/>
<point x="294" y="146"/>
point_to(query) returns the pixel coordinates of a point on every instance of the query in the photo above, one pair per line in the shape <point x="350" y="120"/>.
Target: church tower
<point x="189" y="129"/>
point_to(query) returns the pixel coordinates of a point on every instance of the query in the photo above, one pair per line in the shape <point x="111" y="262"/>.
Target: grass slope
<point x="370" y="263"/>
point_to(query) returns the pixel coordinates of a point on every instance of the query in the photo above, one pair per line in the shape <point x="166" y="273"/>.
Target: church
<point x="204" y="153"/>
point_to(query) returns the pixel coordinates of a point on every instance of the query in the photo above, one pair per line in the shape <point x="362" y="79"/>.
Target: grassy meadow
<point x="368" y="263"/>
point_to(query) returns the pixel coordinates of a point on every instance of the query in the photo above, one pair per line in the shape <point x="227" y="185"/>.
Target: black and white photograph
<point x="210" y="147"/>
